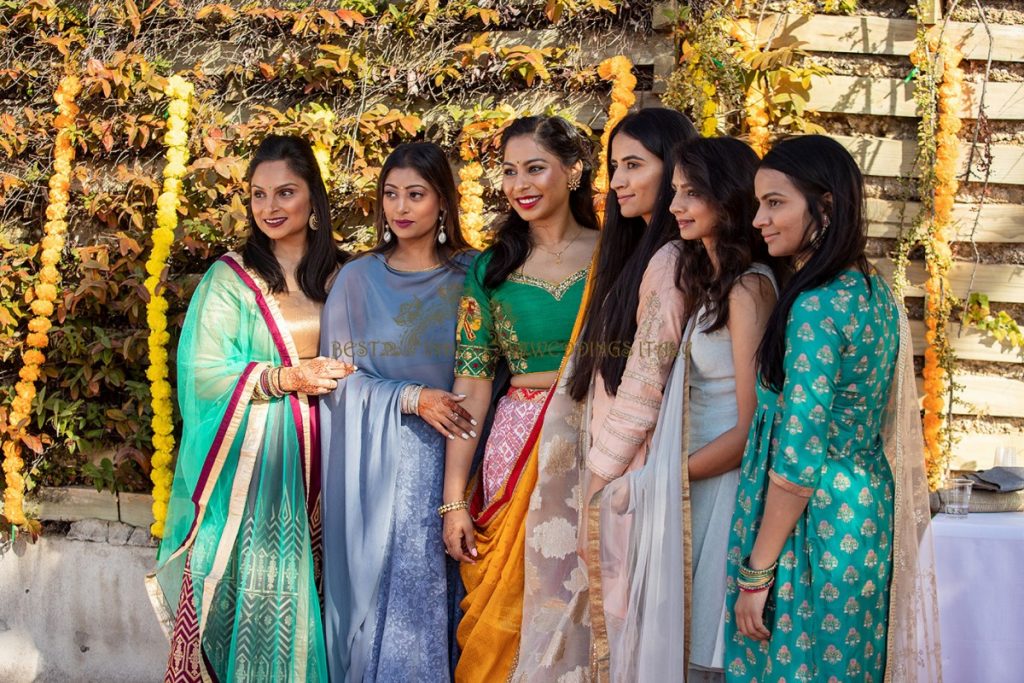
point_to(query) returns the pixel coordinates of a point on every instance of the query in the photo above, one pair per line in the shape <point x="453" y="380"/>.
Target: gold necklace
<point x="406" y="270"/>
<point x="558" y="254"/>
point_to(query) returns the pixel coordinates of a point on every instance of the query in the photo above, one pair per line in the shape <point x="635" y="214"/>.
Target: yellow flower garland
<point x="471" y="202"/>
<point x="938" y="259"/>
<point x="176" y="139"/>
<point x="45" y="294"/>
<point x="756" y="119"/>
<point x="618" y="70"/>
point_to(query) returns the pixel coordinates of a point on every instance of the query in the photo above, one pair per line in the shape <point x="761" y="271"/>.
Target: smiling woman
<point x="521" y="300"/>
<point x="235" y="579"/>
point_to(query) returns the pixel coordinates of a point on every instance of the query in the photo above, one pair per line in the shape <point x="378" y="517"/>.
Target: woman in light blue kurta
<point x="389" y="588"/>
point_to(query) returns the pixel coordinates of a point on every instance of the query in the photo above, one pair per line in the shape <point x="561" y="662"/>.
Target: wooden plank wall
<point x="993" y="381"/>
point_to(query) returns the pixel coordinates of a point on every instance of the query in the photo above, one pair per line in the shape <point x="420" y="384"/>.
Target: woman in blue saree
<point x="236" y="578"/>
<point x="389" y="588"/>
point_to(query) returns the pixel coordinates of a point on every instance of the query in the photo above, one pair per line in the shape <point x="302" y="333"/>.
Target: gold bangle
<point x="756" y="574"/>
<point x="449" y="507"/>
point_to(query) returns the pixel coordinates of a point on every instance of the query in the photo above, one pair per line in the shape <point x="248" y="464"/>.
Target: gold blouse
<point x="302" y="316"/>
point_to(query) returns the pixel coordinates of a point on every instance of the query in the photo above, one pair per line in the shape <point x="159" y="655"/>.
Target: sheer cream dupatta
<point x="639" y="528"/>
<point x="913" y="653"/>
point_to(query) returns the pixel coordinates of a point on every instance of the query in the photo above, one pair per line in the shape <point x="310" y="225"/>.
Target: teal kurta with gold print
<point x="525" y="320"/>
<point x="822" y="437"/>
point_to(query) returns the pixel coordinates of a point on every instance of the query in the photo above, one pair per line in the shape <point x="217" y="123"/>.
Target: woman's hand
<point x="317" y="377"/>
<point x="749" y="614"/>
<point x="459" y="536"/>
<point x="583" y="535"/>
<point x="441" y="410"/>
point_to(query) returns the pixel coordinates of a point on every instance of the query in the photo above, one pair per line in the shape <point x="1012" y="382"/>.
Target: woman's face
<point x="535" y="181"/>
<point x="782" y="216"/>
<point x="280" y="201"/>
<point x="411" y="206"/>
<point x="695" y="215"/>
<point x="636" y="177"/>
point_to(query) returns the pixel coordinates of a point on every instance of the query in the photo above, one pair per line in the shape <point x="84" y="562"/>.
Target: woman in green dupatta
<point x="236" y="579"/>
<point x="520" y="302"/>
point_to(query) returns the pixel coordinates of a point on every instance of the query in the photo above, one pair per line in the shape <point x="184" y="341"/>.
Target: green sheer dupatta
<point x="235" y="585"/>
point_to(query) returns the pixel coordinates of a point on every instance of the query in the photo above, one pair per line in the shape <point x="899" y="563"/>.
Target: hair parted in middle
<point x="627" y="245"/>
<point x="513" y="243"/>
<point x="430" y="162"/>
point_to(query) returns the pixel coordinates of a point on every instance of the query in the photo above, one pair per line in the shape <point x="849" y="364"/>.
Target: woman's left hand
<point x="749" y="614"/>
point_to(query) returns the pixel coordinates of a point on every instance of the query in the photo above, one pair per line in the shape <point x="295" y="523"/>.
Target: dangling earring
<point x="819" y="234"/>
<point x="574" y="182"/>
<point x="387" y="232"/>
<point x="441" y="236"/>
<point x="314" y="224"/>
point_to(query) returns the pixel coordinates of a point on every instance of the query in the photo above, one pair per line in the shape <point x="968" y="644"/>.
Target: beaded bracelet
<point x="449" y="507"/>
<point x="754" y="587"/>
<point x="755" y="574"/>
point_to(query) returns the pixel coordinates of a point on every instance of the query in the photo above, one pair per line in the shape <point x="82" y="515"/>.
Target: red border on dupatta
<point x="313" y="491"/>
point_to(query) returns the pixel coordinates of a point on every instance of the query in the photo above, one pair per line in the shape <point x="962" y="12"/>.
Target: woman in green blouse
<point x="520" y="303"/>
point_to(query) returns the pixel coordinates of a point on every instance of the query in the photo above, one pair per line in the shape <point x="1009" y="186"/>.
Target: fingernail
<point x="461" y="395"/>
<point x="472" y="434"/>
<point x="465" y="435"/>
<point x="473" y="552"/>
<point x="473" y="422"/>
<point x="451" y="436"/>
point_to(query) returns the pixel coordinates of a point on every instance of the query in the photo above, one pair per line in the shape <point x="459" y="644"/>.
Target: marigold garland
<point x="176" y="139"/>
<point x="618" y="70"/>
<point x="940" y="154"/>
<point x="471" y="203"/>
<point x="45" y="293"/>
<point x="756" y="119"/>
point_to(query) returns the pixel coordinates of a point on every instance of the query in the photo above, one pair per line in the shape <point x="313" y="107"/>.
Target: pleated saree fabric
<point x="528" y="577"/>
<point x="236" y="579"/>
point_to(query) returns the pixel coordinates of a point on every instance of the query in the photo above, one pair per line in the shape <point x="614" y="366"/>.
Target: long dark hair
<point x="721" y="171"/>
<point x="627" y="245"/>
<point x="322" y="255"/>
<point x="513" y="243"/>
<point x="816" y="165"/>
<point x="430" y="162"/>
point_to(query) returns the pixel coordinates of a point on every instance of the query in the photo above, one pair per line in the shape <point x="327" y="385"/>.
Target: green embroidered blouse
<point x="525" y="320"/>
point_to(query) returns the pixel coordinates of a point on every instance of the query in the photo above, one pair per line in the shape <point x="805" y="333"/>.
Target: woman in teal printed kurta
<point x="817" y="491"/>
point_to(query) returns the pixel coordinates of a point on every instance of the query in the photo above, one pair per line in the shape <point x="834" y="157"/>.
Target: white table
<point x="980" y="573"/>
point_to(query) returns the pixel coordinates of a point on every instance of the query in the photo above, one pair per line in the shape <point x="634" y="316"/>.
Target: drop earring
<point x="387" y="233"/>
<point x="441" y="236"/>
<point x="314" y="224"/>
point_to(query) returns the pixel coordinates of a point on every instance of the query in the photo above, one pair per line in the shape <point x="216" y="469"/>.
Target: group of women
<point x="678" y="445"/>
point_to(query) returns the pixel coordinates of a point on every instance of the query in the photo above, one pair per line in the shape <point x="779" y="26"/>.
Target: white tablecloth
<point x="980" y="572"/>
